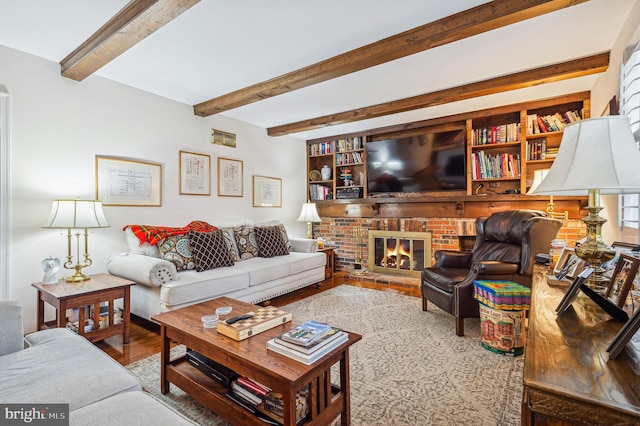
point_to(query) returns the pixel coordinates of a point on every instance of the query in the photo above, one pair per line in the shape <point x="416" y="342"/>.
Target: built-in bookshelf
<point x="504" y="147"/>
<point x="345" y="159"/>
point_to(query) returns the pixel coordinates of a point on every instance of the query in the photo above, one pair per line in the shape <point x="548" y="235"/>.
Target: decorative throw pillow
<point x="285" y="237"/>
<point x="270" y="241"/>
<point x="230" y="240"/>
<point x="177" y="250"/>
<point x="246" y="240"/>
<point x="209" y="250"/>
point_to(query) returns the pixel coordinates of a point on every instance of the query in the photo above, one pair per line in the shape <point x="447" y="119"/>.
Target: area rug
<point x="409" y="368"/>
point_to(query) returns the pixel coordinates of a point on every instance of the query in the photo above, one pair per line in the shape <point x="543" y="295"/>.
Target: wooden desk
<point x="567" y="374"/>
<point x="100" y="288"/>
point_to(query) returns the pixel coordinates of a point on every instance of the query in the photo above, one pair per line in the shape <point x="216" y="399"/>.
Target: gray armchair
<point x="11" y="328"/>
<point x="506" y="243"/>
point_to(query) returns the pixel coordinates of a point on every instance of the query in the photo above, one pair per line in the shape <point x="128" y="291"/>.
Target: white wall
<point x="59" y="125"/>
<point x="607" y="85"/>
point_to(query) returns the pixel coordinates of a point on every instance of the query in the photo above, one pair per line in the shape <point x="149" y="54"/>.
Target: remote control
<point x="238" y="318"/>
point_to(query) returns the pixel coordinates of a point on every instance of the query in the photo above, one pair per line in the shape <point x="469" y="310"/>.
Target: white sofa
<point x="57" y="366"/>
<point x="161" y="287"/>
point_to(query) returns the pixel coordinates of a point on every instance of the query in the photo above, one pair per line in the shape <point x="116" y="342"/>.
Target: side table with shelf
<point x="329" y="267"/>
<point x="100" y="288"/>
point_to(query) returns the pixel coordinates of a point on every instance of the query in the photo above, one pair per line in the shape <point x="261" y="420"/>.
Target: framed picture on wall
<point x="195" y="173"/>
<point x="128" y="182"/>
<point x="267" y="191"/>
<point x="229" y="177"/>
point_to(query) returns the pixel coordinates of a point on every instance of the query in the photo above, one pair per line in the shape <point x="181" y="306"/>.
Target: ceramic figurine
<point x="50" y="266"/>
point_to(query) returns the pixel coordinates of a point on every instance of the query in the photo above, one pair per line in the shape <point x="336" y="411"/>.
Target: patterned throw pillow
<point x="210" y="250"/>
<point x="246" y="240"/>
<point x="270" y="241"/>
<point x="177" y="250"/>
<point x="230" y="240"/>
<point x="285" y="237"/>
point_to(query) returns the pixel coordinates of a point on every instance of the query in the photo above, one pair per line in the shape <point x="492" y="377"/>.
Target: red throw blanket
<point x="154" y="234"/>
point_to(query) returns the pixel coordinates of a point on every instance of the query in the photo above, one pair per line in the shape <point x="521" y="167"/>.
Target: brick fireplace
<point x="445" y="234"/>
<point x="399" y="253"/>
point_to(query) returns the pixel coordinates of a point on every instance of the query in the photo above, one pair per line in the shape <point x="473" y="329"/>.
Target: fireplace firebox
<point x="399" y="253"/>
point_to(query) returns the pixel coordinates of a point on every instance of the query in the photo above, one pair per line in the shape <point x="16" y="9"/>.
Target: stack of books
<point x="308" y="342"/>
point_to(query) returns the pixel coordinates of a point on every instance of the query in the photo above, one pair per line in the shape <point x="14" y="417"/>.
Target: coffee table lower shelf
<point x="211" y="394"/>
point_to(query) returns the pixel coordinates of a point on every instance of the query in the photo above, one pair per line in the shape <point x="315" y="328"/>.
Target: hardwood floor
<point x="145" y="335"/>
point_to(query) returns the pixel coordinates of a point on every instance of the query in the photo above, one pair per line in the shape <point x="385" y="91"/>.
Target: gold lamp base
<point x="78" y="277"/>
<point x="594" y="251"/>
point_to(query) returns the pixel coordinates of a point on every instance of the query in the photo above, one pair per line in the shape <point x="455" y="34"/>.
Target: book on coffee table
<point x="264" y="318"/>
<point x="307" y="358"/>
<point x="307" y="333"/>
<point x="333" y="334"/>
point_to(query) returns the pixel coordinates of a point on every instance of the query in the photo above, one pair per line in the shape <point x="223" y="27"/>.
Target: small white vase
<point x="325" y="172"/>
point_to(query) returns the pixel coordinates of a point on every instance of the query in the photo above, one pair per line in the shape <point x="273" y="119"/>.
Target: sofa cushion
<point x="300" y="262"/>
<point x="131" y="408"/>
<point x="196" y="286"/>
<point x="210" y="250"/>
<point x="11" y="327"/>
<point x="270" y="241"/>
<point x="246" y="240"/>
<point x="135" y="247"/>
<point x="263" y="269"/>
<point x="177" y="250"/>
<point x="56" y="365"/>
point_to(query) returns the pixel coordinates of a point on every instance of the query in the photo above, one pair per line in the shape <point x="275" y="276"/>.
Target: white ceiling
<point x="223" y="45"/>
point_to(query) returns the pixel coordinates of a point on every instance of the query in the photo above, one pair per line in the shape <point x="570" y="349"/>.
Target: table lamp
<point x="596" y="156"/>
<point x="77" y="214"/>
<point x="538" y="177"/>
<point x="309" y="214"/>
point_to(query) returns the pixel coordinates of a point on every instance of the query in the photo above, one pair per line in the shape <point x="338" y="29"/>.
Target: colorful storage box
<point x="503" y="295"/>
<point x="502" y="331"/>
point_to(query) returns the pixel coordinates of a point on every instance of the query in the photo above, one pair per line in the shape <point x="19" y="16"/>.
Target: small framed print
<point x="622" y="279"/>
<point x="569" y="264"/>
<point x="128" y="182"/>
<point x="573" y="290"/>
<point x="229" y="177"/>
<point x="195" y="173"/>
<point x="624" y="335"/>
<point x="267" y="191"/>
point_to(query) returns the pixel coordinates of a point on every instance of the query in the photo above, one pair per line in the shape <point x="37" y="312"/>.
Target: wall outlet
<point x="494" y="184"/>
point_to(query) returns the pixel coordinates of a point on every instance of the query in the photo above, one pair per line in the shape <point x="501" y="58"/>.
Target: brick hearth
<point x="338" y="232"/>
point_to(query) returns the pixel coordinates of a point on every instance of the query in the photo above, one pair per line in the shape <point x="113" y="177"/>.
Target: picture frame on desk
<point x="622" y="279"/>
<point x="572" y="291"/>
<point x="628" y="330"/>
<point x="569" y="258"/>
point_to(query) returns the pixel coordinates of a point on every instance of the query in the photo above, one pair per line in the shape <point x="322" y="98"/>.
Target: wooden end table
<point x="329" y="268"/>
<point x="251" y="358"/>
<point x="100" y="288"/>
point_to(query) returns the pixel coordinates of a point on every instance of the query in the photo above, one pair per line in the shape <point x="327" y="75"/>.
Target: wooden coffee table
<point x="251" y="358"/>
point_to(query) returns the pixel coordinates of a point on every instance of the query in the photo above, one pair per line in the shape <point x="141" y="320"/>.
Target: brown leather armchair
<point x="506" y="243"/>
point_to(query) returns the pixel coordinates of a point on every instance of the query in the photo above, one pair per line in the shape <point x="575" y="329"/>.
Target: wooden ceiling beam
<point x="557" y="72"/>
<point x="482" y="18"/>
<point x="136" y="21"/>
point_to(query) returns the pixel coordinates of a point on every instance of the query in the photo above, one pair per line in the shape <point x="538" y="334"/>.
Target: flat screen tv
<point x="422" y="163"/>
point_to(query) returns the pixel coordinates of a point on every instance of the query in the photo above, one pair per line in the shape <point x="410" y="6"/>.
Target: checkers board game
<point x="264" y="318"/>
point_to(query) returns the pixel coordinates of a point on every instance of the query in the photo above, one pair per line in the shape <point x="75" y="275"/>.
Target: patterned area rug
<point x="409" y="368"/>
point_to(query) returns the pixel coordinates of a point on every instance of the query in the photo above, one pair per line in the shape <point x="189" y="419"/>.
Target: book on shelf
<point x="306" y="333"/>
<point x="333" y="334"/>
<point x="307" y="359"/>
<point x="245" y="394"/>
<point x="264" y="318"/>
<point x="252" y="386"/>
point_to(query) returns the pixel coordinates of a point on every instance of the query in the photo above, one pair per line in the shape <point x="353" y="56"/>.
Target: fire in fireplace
<point x="400" y="253"/>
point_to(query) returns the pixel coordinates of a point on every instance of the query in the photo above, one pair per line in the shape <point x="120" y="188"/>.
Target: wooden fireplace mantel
<point x="462" y="206"/>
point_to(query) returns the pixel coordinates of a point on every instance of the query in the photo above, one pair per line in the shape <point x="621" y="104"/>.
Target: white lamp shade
<point x="538" y="177"/>
<point x="597" y="153"/>
<point x="76" y="214"/>
<point x="309" y="213"/>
